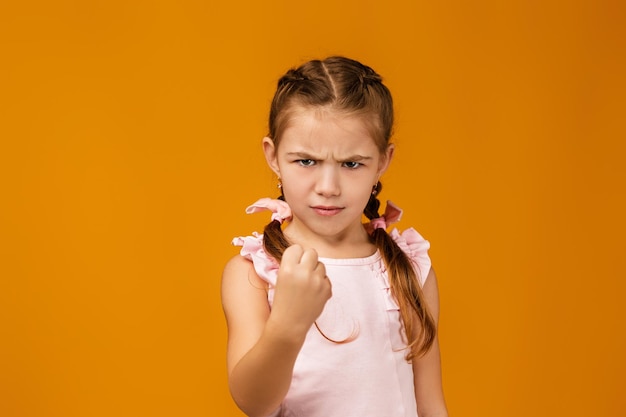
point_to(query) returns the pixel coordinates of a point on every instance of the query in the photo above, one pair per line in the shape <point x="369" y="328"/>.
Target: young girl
<point x="328" y="316"/>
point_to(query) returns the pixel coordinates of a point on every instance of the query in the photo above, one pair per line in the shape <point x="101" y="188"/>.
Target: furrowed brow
<point x="356" y="158"/>
<point x="301" y="155"/>
<point x="306" y="155"/>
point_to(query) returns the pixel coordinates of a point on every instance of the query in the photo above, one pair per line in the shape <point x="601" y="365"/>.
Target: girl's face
<point x="328" y="164"/>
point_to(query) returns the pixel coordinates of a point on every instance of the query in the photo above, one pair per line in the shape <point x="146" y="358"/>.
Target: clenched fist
<point x="302" y="290"/>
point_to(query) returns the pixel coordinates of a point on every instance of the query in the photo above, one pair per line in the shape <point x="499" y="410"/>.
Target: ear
<point x="269" y="149"/>
<point x="386" y="160"/>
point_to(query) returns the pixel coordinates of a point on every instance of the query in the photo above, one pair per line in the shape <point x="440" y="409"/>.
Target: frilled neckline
<point x="367" y="260"/>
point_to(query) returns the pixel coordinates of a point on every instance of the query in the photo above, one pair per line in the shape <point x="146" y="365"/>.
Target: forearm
<point x="434" y="407"/>
<point x="261" y="378"/>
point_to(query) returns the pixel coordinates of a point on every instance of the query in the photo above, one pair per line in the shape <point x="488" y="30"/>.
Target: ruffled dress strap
<point x="265" y="266"/>
<point x="252" y="248"/>
<point x="416" y="247"/>
<point x="410" y="241"/>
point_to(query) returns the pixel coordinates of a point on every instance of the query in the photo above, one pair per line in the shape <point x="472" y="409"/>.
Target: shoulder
<point x="236" y="265"/>
<point x="241" y="284"/>
<point x="240" y="268"/>
<point x="252" y="250"/>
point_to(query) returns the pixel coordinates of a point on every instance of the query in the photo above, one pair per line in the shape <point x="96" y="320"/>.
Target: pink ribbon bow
<point x="280" y="210"/>
<point x="392" y="214"/>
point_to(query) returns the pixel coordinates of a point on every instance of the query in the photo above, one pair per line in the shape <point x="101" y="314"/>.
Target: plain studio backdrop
<point x="130" y="145"/>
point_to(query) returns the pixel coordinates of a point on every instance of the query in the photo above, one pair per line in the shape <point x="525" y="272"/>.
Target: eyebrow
<point x="304" y="155"/>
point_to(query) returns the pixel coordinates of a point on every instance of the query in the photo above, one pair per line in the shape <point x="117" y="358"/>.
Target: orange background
<point x="130" y="146"/>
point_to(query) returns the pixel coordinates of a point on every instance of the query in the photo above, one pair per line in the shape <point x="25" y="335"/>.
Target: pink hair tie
<point x="280" y="210"/>
<point x="392" y="214"/>
<point x="378" y="223"/>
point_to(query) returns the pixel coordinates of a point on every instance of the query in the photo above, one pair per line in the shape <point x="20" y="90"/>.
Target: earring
<point x="375" y="189"/>
<point x="280" y="187"/>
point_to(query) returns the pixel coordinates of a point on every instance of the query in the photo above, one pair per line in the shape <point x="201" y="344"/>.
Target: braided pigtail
<point x="419" y="324"/>
<point x="274" y="240"/>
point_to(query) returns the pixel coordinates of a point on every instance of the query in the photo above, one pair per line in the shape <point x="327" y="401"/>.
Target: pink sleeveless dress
<point x="368" y="374"/>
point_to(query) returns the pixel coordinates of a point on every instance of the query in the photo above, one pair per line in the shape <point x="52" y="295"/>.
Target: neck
<point x="352" y="244"/>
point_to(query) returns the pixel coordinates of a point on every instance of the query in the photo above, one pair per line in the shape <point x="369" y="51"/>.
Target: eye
<point x="305" y="162"/>
<point x="352" y="164"/>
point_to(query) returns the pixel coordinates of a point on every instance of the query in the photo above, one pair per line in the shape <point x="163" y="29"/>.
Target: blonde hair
<point x="346" y="85"/>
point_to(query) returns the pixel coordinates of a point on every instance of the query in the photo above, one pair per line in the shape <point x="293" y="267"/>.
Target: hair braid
<point x="274" y="241"/>
<point x="419" y="325"/>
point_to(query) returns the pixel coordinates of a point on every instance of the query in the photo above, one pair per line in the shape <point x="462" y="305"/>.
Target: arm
<point x="427" y="369"/>
<point x="263" y="344"/>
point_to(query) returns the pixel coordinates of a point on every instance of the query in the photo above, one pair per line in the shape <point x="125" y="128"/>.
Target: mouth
<point x="327" y="210"/>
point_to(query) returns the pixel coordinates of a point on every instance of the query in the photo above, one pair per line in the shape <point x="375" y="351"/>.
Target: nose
<point x="328" y="182"/>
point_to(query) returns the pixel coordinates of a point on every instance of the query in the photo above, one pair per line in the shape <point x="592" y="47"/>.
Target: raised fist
<point x="302" y="289"/>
